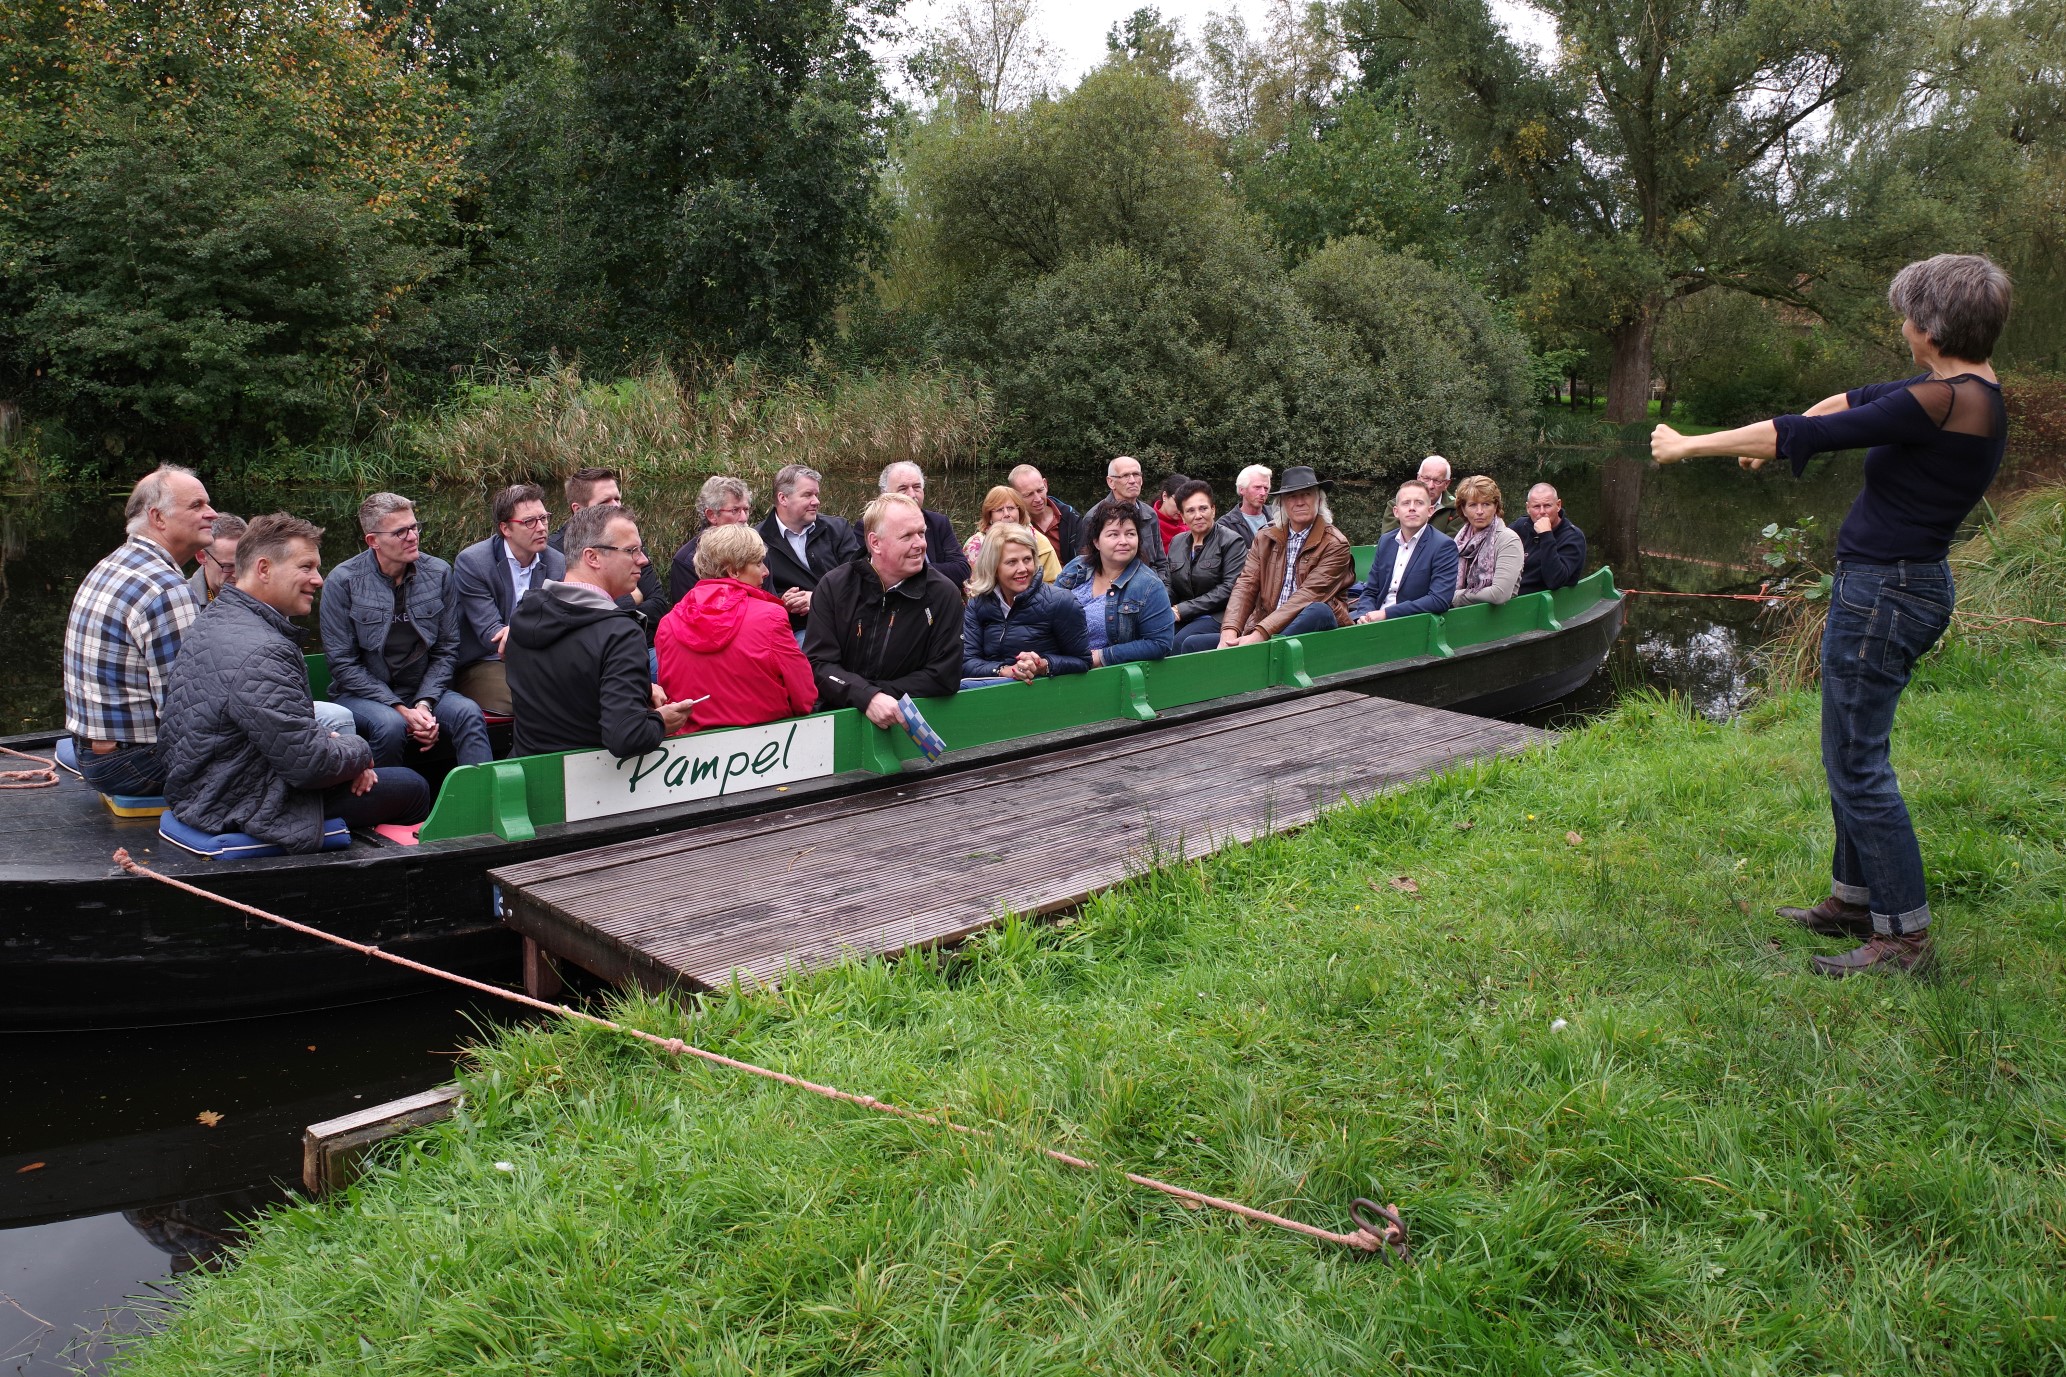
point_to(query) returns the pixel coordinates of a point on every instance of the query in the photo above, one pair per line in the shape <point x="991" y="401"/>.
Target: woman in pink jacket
<point x="728" y="642"/>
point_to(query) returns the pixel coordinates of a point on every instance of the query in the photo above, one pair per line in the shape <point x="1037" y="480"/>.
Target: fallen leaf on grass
<point x="1743" y="906"/>
<point x="208" y="1118"/>
<point x="1573" y="839"/>
<point x="1466" y="825"/>
<point x="33" y="1166"/>
<point x="1404" y="884"/>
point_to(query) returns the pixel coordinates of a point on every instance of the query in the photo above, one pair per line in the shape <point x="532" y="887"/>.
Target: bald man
<point x="1554" y="545"/>
<point x="1123" y="479"/>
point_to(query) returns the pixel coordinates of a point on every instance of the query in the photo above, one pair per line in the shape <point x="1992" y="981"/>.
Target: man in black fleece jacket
<point x="578" y="674"/>
<point x="887" y="624"/>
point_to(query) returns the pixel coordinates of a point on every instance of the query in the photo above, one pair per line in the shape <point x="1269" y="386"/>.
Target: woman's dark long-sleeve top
<point x="1936" y="443"/>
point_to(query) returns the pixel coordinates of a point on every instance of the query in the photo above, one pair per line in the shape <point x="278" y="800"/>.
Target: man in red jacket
<point x="727" y="646"/>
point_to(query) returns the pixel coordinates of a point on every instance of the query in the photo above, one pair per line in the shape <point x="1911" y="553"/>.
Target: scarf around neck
<point x="1475" y="559"/>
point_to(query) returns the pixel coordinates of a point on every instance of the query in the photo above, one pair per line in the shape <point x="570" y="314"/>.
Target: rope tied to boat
<point x="1976" y="621"/>
<point x="42" y="777"/>
<point x="1380" y="1232"/>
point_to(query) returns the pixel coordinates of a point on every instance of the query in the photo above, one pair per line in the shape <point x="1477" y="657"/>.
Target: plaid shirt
<point x="1295" y="542"/>
<point x="127" y="618"/>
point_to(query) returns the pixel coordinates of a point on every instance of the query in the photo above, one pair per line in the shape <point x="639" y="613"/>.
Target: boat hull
<point x="84" y="944"/>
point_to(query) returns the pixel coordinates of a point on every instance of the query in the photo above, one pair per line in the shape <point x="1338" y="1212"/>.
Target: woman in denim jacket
<point x="1126" y="609"/>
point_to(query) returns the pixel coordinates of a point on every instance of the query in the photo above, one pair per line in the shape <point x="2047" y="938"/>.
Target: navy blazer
<point x="943" y="547"/>
<point x="1429" y="584"/>
<point x="480" y="577"/>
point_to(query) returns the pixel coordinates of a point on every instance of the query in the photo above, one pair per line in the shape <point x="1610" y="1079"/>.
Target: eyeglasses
<point x="633" y="550"/>
<point x="402" y="532"/>
<point x="534" y="522"/>
<point x="228" y="566"/>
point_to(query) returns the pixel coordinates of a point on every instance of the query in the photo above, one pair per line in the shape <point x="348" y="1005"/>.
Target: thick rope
<point x="1379" y="1229"/>
<point x="1977" y="621"/>
<point x="41" y="778"/>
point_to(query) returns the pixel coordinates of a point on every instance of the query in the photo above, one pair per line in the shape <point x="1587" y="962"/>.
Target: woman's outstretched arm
<point x="1752" y="445"/>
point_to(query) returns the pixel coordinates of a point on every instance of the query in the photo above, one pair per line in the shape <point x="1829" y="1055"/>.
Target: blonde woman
<point x="1017" y="625"/>
<point x="1004" y="504"/>
<point x="1489" y="554"/>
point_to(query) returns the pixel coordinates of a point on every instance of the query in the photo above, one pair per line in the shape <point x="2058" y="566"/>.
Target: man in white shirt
<point x="1414" y="569"/>
<point x="804" y="544"/>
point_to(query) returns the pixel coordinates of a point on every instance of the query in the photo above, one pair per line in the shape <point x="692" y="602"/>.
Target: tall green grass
<point x="1719" y="1164"/>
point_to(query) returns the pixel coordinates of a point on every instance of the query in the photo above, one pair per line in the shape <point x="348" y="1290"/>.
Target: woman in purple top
<point x="1935" y="443"/>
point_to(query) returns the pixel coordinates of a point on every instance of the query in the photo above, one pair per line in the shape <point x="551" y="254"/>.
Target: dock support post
<point x="541" y="972"/>
<point x="333" y="1151"/>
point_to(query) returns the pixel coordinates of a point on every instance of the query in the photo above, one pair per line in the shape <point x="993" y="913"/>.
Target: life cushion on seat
<point x="67" y="754"/>
<point x="121" y="805"/>
<point x="237" y="846"/>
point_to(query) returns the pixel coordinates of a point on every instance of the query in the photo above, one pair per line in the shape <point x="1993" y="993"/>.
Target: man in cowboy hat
<point x="1297" y="571"/>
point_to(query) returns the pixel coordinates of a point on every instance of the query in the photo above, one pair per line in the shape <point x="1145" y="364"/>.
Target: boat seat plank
<point x="931" y="863"/>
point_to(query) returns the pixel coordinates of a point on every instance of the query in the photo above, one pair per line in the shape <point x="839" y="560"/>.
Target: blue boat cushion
<point x="238" y="846"/>
<point x="67" y="754"/>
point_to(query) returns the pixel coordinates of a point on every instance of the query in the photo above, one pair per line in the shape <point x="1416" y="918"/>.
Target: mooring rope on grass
<point x="1977" y="621"/>
<point x="41" y="778"/>
<point x="1379" y="1229"/>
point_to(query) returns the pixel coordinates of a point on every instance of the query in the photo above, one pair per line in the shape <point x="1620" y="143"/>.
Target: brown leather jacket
<point x="1326" y="568"/>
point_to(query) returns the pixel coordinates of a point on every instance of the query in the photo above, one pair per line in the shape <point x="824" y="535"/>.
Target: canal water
<point x="112" y="1181"/>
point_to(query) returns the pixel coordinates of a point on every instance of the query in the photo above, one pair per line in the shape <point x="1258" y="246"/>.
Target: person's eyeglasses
<point x="633" y="550"/>
<point x="402" y="532"/>
<point x="228" y="566"/>
<point x="534" y="522"/>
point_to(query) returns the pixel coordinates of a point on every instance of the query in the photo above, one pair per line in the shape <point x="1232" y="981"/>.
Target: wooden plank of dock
<point x="932" y="862"/>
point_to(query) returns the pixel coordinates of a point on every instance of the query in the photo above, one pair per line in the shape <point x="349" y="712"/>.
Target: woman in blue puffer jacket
<point x="1125" y="607"/>
<point x="1016" y="626"/>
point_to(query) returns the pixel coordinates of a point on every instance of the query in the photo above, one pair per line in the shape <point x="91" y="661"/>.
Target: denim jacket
<point x="1139" y="623"/>
<point x="359" y="603"/>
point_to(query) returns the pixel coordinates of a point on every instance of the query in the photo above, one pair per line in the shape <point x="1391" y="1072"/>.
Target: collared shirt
<point x="1294" y="542"/>
<point x="1407" y="545"/>
<point x="799" y="541"/>
<point x="125" y="627"/>
<point x="520" y="574"/>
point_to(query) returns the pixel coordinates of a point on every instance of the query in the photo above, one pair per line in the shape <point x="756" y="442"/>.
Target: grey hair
<point x="379" y="507"/>
<point x="1278" y="518"/>
<point x="984" y="577"/>
<point x="717" y="488"/>
<point x="1960" y="300"/>
<point x="585" y="528"/>
<point x="1131" y="460"/>
<point x="882" y="480"/>
<point x="1250" y="474"/>
<point x="152" y="492"/>
<point x="228" y="526"/>
<point x="1447" y="471"/>
<point x="789" y="475"/>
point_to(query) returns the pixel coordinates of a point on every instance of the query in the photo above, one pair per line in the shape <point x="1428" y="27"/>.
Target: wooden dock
<point x="939" y="859"/>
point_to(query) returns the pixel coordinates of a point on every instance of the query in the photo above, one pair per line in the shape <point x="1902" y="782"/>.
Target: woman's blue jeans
<point x="1882" y="619"/>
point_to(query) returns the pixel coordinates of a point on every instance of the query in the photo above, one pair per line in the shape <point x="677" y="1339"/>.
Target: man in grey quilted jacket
<point x="246" y="751"/>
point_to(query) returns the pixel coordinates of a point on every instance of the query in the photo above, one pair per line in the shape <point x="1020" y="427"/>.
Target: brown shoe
<point x="1912" y="953"/>
<point x="1832" y="918"/>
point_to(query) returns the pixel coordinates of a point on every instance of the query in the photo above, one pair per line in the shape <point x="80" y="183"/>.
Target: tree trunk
<point x="1621" y="508"/>
<point x="1628" y="375"/>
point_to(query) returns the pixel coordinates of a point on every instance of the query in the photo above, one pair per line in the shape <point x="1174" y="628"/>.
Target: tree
<point x="988" y="56"/>
<point x="216" y="224"/>
<point x="1144" y="39"/>
<point x="1669" y="148"/>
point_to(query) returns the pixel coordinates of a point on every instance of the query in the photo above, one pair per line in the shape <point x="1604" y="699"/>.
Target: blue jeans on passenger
<point x="1199" y="633"/>
<point x="459" y="722"/>
<point x="398" y="795"/>
<point x="991" y="681"/>
<point x="132" y="770"/>
<point x="1882" y="619"/>
<point x="1314" y="616"/>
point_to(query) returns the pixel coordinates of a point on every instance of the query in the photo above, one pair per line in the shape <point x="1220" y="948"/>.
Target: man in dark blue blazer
<point x="488" y="578"/>
<point x="1414" y="569"/>
<point x="826" y="542"/>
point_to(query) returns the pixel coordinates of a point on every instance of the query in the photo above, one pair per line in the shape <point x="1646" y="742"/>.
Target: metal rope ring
<point x="1383" y="1225"/>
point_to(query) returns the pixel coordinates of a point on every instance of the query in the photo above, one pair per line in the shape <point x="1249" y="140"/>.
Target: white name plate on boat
<point x="701" y="765"/>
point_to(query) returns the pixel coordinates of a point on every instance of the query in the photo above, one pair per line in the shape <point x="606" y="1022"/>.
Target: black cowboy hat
<point x="1299" y="478"/>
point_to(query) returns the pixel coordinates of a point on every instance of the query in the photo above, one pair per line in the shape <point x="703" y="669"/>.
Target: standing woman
<point x="1126" y="609"/>
<point x="1936" y="442"/>
<point x="1489" y="554"/>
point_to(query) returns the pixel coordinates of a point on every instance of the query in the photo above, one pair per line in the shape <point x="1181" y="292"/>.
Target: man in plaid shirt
<point x="127" y="618"/>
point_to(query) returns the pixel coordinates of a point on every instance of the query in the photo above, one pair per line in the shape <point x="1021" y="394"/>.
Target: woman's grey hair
<point x="379" y="507"/>
<point x="724" y="552"/>
<point x="717" y="489"/>
<point x="1003" y="533"/>
<point x="1960" y="300"/>
<point x="1278" y="518"/>
<point x="152" y="491"/>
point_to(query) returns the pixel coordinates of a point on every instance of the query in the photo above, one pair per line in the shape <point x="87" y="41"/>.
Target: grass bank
<point x="1721" y="1163"/>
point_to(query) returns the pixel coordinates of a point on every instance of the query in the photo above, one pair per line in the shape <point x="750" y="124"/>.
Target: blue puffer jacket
<point x="1043" y="620"/>
<point x="1139" y="623"/>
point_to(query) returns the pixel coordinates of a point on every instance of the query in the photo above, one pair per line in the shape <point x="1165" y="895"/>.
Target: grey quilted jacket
<point x="246" y="752"/>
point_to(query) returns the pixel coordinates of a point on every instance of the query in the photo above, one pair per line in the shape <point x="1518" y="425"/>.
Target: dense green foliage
<point x="1720" y="1163"/>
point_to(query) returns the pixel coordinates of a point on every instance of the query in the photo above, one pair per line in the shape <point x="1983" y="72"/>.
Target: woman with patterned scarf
<point x="1488" y="553"/>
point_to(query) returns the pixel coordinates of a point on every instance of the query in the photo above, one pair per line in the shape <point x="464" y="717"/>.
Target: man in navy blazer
<point x="486" y="578"/>
<point x="1414" y="569"/>
<point x="827" y="542"/>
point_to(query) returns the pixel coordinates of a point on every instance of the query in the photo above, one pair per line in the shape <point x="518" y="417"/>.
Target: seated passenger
<point x="1169" y="517"/>
<point x="1018" y="626"/>
<point x="218" y="562"/>
<point x="124" y="631"/>
<point x="599" y="487"/>
<point x="245" y="751"/>
<point x="1414" y="569"/>
<point x="1004" y="504"/>
<point x="1298" y="570"/>
<point x="1126" y="609"/>
<point x="1123" y="480"/>
<point x="490" y="579"/>
<point x="1047" y="514"/>
<point x="1555" y="546"/>
<point x="578" y="673"/>
<point x="1203" y="563"/>
<point x="1247" y="519"/>
<point x="390" y="625"/>
<point x="723" y="502"/>
<point x="728" y="641"/>
<point x="1488" y="555"/>
<point x="942" y="549"/>
<point x="888" y="623"/>
<point x="804" y="543"/>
